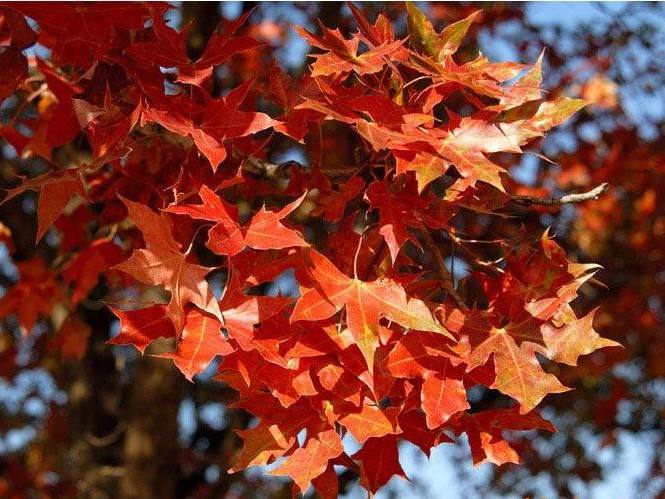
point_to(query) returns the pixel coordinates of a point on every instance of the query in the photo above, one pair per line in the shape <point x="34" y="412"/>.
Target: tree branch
<point x="594" y="193"/>
<point x="277" y="171"/>
<point x="446" y="278"/>
<point x="282" y="171"/>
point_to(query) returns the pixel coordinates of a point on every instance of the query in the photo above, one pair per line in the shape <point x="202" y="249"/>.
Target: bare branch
<point x="270" y="171"/>
<point x="593" y="194"/>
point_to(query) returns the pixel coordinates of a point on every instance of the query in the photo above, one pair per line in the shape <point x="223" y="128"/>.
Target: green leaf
<point x="453" y="34"/>
<point x="422" y="32"/>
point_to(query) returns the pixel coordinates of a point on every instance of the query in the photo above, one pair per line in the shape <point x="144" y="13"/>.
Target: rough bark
<point x="94" y="419"/>
<point x="150" y="447"/>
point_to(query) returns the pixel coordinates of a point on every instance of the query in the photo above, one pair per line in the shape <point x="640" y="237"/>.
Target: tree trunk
<point x="95" y="420"/>
<point x="150" y="450"/>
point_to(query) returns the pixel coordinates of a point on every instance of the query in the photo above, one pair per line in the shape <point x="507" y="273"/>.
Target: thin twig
<point x="42" y="88"/>
<point x="106" y="440"/>
<point x="446" y="277"/>
<point x="594" y="193"/>
<point x="475" y="259"/>
<point x="260" y="167"/>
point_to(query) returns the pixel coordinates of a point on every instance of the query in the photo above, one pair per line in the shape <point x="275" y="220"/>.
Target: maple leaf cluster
<point x="178" y="210"/>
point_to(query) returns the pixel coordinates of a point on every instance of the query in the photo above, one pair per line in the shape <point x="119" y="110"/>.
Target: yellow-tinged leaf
<point x="370" y="422"/>
<point x="575" y="338"/>
<point x="518" y="372"/>
<point x="262" y="445"/>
